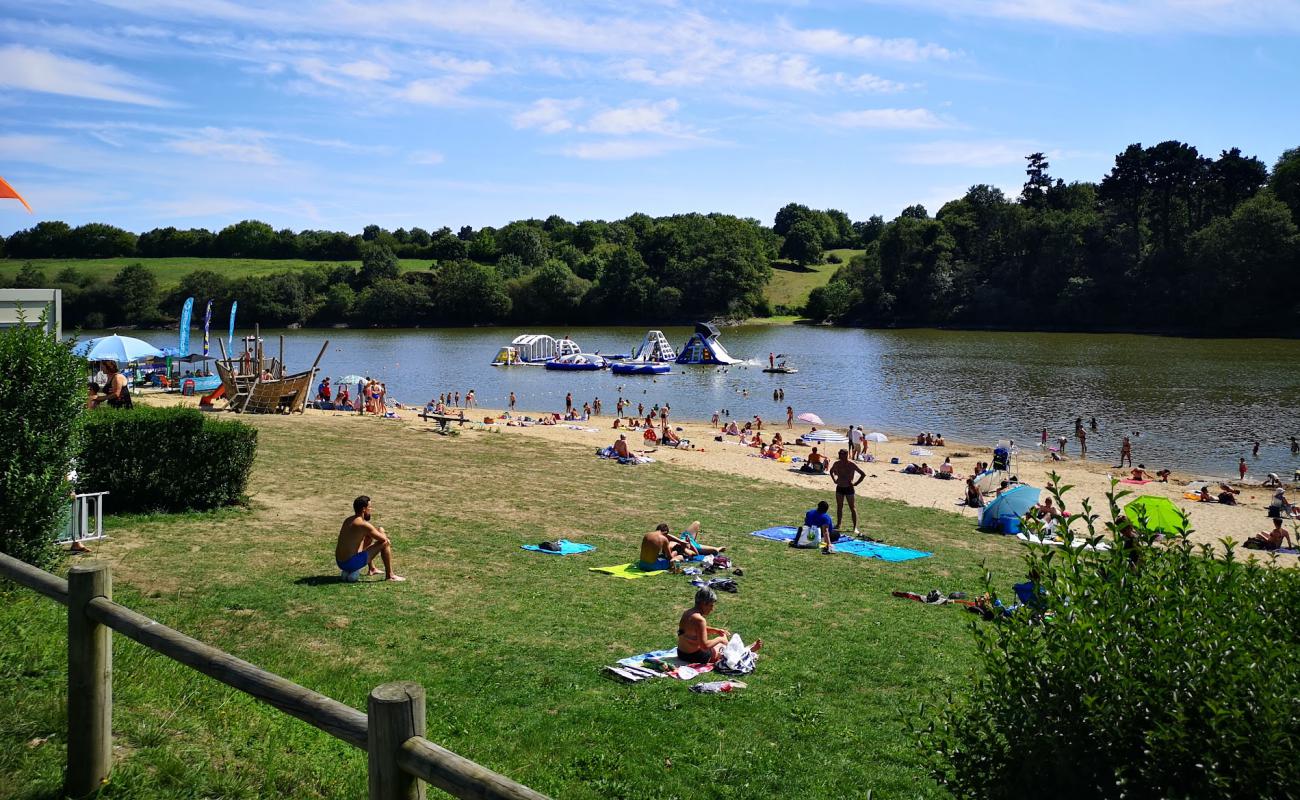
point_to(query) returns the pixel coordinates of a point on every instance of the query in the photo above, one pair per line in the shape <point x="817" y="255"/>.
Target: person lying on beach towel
<point x="697" y="643"/>
<point x="692" y="546"/>
<point x="1270" y="539"/>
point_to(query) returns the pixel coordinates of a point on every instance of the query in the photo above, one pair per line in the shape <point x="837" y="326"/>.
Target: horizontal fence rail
<point x="392" y="733"/>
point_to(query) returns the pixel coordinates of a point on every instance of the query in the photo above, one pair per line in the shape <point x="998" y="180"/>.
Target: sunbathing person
<point x="359" y="542"/>
<point x="1227" y="495"/>
<point x="973" y="497"/>
<point x="669" y="437"/>
<point x="692" y="546"/>
<point x="1139" y="473"/>
<point x="660" y="549"/>
<point x="620" y="447"/>
<point x="1205" y="496"/>
<point x="697" y="643"/>
<point x="1270" y="539"/>
<point x="816" y="462"/>
<point x="732" y="430"/>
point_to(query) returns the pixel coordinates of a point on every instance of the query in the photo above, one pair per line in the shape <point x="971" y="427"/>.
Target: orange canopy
<point x="8" y="191"/>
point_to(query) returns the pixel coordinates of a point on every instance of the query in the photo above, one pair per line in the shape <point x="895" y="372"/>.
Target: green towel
<point x="628" y="571"/>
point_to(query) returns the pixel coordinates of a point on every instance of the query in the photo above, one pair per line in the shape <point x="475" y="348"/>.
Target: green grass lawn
<point x="791" y="283"/>
<point x="508" y="644"/>
<point x="171" y="270"/>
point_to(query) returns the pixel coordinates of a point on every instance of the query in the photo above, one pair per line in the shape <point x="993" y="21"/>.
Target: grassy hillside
<point x="791" y="283"/>
<point x="508" y="644"/>
<point x="171" y="270"/>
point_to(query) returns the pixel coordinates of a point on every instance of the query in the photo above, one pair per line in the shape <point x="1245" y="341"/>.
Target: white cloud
<point x="246" y="147"/>
<point x="449" y="63"/>
<point x="890" y="119"/>
<point x="366" y="70"/>
<point x="620" y="149"/>
<point x="868" y="83"/>
<point x="549" y="115"/>
<point x="968" y="153"/>
<point x="34" y="70"/>
<point x="833" y="42"/>
<point x="445" y="91"/>
<point x="427" y="157"/>
<point x="1125" y="16"/>
<point x="635" y="118"/>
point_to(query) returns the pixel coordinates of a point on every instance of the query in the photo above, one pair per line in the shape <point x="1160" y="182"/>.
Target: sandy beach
<point x="1211" y="522"/>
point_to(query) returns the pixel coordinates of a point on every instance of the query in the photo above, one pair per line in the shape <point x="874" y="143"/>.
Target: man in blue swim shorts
<point x="660" y="549"/>
<point x="359" y="542"/>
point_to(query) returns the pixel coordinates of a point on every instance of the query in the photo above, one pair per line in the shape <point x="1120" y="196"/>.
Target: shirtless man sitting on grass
<point x="660" y="549"/>
<point x="359" y="542"/>
<point x="697" y="643"/>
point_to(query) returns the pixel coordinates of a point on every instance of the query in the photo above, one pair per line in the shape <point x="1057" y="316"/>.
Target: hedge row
<point x="166" y="459"/>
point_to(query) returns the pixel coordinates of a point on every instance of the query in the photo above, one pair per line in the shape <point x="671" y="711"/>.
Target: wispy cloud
<point x="638" y="117"/>
<point x="968" y="153"/>
<point x="548" y="115"/>
<point x="621" y="149"/>
<point x="1124" y="16"/>
<point x="899" y="119"/>
<point x="427" y="157"/>
<point x="34" y="70"/>
<point x="242" y="146"/>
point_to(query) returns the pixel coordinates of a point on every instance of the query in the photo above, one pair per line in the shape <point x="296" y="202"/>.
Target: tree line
<point x="640" y="268"/>
<point x="1168" y="240"/>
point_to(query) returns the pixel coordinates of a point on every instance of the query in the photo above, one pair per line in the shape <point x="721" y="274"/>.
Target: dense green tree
<point x="484" y="248"/>
<point x="803" y="244"/>
<point x="391" y="302"/>
<point x="525" y="241"/>
<point x="30" y="276"/>
<point x="135" y="291"/>
<point x="43" y="240"/>
<point x="247" y="239"/>
<point x="444" y="246"/>
<point x="831" y="302"/>
<point x="467" y="293"/>
<point x="377" y="263"/>
<point x="97" y="240"/>
<point x="868" y="230"/>
<point x="1285" y="181"/>
<point x="549" y="294"/>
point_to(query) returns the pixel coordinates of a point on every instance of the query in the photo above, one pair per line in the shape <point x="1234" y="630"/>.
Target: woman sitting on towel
<point x="731" y="429"/>
<point x="973" y="497"/>
<point x="697" y="643"/>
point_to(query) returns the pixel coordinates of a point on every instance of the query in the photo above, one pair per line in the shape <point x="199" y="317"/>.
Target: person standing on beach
<point x="1241" y="467"/>
<point x="855" y="442"/>
<point x="595" y="406"/>
<point x="568" y="402"/>
<point x="843" y="473"/>
<point x="1126" y="452"/>
<point x="789" y="416"/>
<point x="512" y="401"/>
<point x="470" y="402"/>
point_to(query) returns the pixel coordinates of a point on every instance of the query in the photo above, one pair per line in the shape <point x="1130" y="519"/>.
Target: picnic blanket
<point x="567" y="548"/>
<point x="786" y="533"/>
<point x="681" y="670"/>
<point x="1132" y="482"/>
<point x="628" y="571"/>
<point x="884" y="552"/>
<point x="1029" y="538"/>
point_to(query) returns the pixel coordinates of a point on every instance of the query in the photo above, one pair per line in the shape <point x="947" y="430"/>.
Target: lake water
<point x="1197" y="403"/>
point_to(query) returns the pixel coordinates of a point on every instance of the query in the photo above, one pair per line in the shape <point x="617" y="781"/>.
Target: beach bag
<point x="736" y="658"/>
<point x="807" y="536"/>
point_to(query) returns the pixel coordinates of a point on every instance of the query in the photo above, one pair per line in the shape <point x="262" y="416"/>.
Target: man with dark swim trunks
<point x="843" y="472"/>
<point x="359" y="542"/>
<point x="697" y="643"/>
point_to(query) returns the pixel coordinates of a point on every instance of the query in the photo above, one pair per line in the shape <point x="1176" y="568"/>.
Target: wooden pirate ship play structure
<point x="259" y="385"/>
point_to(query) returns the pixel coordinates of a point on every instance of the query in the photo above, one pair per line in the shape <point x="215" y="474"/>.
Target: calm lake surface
<point x="1198" y="403"/>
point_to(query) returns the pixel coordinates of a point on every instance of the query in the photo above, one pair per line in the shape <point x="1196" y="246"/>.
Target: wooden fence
<point x="391" y="732"/>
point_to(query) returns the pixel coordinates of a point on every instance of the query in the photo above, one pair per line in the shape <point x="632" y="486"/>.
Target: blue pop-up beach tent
<point x="1014" y="502"/>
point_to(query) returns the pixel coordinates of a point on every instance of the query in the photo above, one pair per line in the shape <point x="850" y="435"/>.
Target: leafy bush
<point x="166" y="459"/>
<point x="1155" y="670"/>
<point x="42" y="397"/>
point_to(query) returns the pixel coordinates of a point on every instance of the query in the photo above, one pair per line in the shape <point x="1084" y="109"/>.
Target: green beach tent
<point x="1160" y="513"/>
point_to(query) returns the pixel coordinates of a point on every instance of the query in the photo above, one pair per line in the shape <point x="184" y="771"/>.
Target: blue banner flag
<point x="183" y="345"/>
<point x="230" y="338"/>
<point x="207" y="324"/>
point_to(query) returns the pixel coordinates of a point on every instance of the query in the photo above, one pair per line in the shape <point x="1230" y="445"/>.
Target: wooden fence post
<point x="396" y="713"/>
<point x="90" y="682"/>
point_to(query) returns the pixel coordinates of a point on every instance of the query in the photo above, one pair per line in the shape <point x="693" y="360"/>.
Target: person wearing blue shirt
<point x="818" y="519"/>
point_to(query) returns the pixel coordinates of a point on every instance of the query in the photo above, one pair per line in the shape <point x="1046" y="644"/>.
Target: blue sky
<point x="341" y="113"/>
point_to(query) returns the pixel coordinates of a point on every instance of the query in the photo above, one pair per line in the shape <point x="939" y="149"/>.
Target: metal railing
<point x="391" y="731"/>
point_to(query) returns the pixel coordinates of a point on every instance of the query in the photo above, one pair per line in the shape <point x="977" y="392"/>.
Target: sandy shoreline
<point x="1211" y="521"/>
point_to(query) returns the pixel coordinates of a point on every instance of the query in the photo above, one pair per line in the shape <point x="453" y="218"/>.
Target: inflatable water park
<point x="653" y="356"/>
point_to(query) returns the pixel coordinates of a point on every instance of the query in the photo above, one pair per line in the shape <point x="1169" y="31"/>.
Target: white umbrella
<point x="876" y="436"/>
<point x="824" y="436"/>
<point x="810" y="417"/>
<point x="123" y="349"/>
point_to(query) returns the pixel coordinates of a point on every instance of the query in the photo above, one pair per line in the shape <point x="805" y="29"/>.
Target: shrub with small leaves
<point x="166" y="459"/>
<point x="42" y="397"/>
<point x="1153" y="669"/>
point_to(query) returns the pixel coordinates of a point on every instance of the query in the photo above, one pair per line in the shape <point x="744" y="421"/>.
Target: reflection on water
<point x="1198" y="404"/>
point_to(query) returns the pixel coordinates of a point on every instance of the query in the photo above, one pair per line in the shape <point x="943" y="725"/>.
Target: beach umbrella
<point x="1160" y="513"/>
<point x="876" y="436"/>
<point x="810" y="417"/>
<point x="348" y="380"/>
<point x="123" y="349"/>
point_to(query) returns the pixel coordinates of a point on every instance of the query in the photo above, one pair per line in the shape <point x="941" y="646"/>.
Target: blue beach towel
<point x="786" y="533"/>
<point x="567" y="548"/>
<point x="884" y="552"/>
